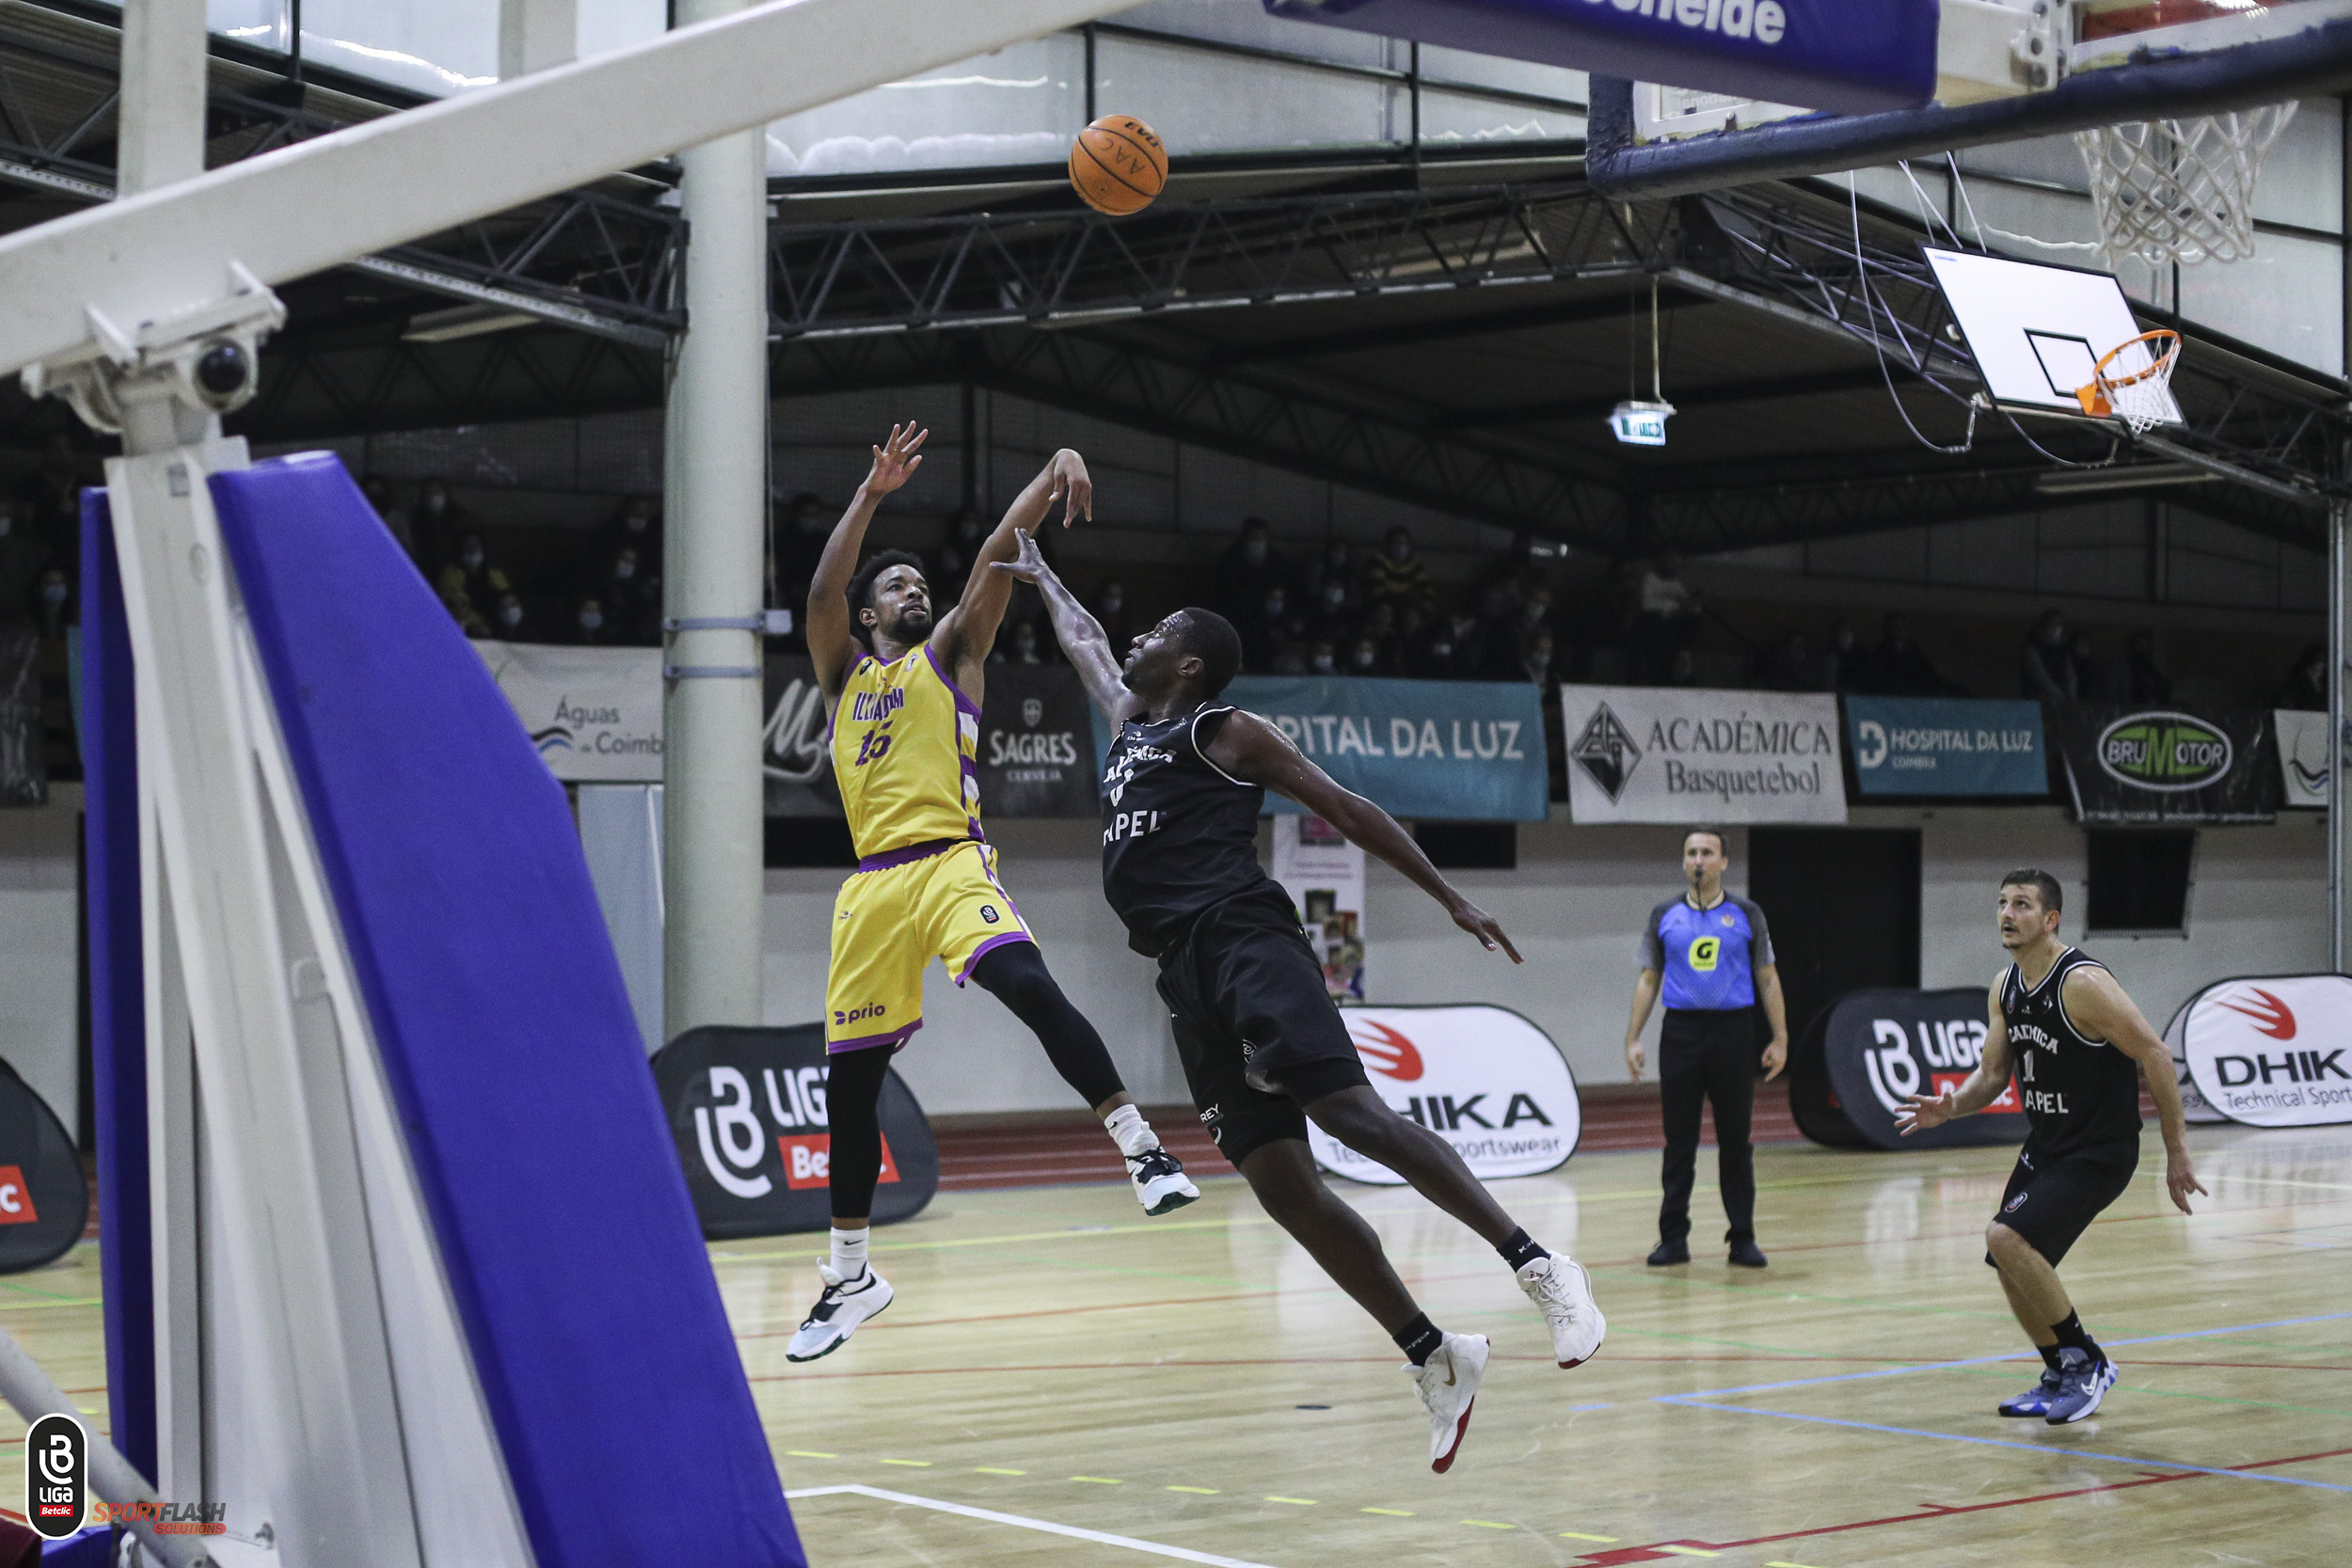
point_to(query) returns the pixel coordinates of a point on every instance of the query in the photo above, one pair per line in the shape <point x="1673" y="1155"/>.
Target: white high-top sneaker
<point x="1448" y="1386"/>
<point x="1161" y="1184"/>
<point x="838" y="1311"/>
<point x="1560" y="1286"/>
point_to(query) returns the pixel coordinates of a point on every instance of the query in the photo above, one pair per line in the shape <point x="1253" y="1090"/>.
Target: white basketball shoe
<point x="1560" y="1286"/>
<point x="1161" y="1184"/>
<point x="1448" y="1386"/>
<point x="844" y="1305"/>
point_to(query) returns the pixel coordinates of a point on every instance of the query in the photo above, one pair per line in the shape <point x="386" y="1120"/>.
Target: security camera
<point x="224" y="373"/>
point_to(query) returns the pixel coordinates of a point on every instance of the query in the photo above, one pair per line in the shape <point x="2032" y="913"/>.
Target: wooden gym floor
<point x="1062" y="1381"/>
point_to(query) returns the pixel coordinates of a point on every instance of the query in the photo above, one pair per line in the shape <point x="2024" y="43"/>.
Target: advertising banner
<point x="45" y="1198"/>
<point x="1324" y="873"/>
<point x="747" y="1108"/>
<point x="1647" y="753"/>
<point x="1946" y="746"/>
<point x="1482" y="1078"/>
<point x="594" y="713"/>
<point x="2194" y="1106"/>
<point x="1880" y="1046"/>
<point x="2137" y="767"/>
<point x="2303" y="756"/>
<point x="1453" y="751"/>
<point x="2273" y="1051"/>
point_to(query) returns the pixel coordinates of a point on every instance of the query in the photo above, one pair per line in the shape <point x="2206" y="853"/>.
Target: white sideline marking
<point x="1100" y="1537"/>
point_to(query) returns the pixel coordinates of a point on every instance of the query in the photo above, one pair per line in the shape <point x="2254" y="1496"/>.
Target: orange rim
<point x="2159" y="363"/>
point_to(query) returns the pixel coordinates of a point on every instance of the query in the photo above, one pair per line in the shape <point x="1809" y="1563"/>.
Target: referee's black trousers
<point x="1706" y="1056"/>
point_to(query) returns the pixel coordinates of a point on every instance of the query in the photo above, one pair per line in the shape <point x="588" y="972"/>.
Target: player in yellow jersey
<point x="903" y="692"/>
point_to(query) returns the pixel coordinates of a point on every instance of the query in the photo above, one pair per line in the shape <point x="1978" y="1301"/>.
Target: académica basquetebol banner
<point x="1646" y="753"/>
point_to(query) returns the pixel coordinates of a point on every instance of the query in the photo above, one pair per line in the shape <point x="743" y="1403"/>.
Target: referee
<point x="1714" y="956"/>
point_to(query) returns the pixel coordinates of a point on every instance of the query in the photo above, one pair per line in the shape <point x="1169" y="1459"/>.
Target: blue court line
<point x="1987" y="1360"/>
<point x="2007" y="1443"/>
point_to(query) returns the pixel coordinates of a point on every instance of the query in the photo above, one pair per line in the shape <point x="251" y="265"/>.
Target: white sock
<point x="848" y="1253"/>
<point x="1133" y="1134"/>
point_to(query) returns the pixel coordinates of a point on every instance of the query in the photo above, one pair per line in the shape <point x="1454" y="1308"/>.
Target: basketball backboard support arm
<point x="2314" y="62"/>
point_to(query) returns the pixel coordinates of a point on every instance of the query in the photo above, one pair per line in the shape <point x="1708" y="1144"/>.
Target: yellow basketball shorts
<point x="891" y="917"/>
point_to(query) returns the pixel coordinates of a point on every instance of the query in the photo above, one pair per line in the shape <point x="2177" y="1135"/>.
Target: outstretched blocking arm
<point x="967" y="632"/>
<point x="1083" y="641"/>
<point x="1982" y="1087"/>
<point x="2098" y="1005"/>
<point x="1249" y="748"/>
<point x="831" y="644"/>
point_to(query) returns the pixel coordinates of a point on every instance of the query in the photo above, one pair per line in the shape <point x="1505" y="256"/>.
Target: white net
<point x="2133" y="384"/>
<point x="2180" y="190"/>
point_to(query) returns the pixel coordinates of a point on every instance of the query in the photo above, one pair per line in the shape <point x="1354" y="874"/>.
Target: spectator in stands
<point x="1364" y="656"/>
<point x="588" y="629"/>
<point x="1250" y="569"/>
<point x="1110" y="611"/>
<point x="1324" y="659"/>
<point x="1494" y="640"/>
<point x="2094" y="675"/>
<point x="1520" y="571"/>
<point x="1900" y="668"/>
<point x="637" y="527"/>
<point x="2143" y="682"/>
<point x="630" y="591"/>
<point x="1682" y="669"/>
<point x="438" y="525"/>
<point x="20" y="557"/>
<point x="801" y="526"/>
<point x="461" y="608"/>
<point x="958" y="548"/>
<point x="2043" y="670"/>
<point x="378" y="491"/>
<point x="1668" y="620"/>
<point x="1381" y="625"/>
<point x="2305" y="685"/>
<point x="52" y="602"/>
<point x="1396" y="578"/>
<point x="1261" y="625"/>
<point x="49" y="503"/>
<point x="1845" y="666"/>
<point x="469" y="573"/>
<point x="1292" y="646"/>
<point x="1025" y="645"/>
<point x="1428" y="647"/>
<point x="1787" y="666"/>
<point x="511" y="623"/>
<point x="1538" y="657"/>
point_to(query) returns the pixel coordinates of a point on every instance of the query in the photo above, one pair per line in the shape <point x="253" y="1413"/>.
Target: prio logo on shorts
<point x="2167" y="751"/>
<point x="872" y="1009"/>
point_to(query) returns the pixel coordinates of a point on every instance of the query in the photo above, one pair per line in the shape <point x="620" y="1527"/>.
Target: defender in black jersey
<point x="2077" y="1047"/>
<point x="1263" y="1049"/>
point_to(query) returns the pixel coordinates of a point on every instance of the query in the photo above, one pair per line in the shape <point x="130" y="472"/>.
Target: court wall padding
<point x="588" y="1302"/>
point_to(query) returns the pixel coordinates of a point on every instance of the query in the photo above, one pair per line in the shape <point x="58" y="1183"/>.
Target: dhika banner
<point x="1881" y="1046"/>
<point x="1946" y="746"/>
<point x="594" y="713"/>
<point x="2142" y="766"/>
<point x="2273" y="1051"/>
<point x="1482" y="1078"/>
<point x="747" y="1109"/>
<point x="2194" y="1106"/>
<point x="2303" y="756"/>
<point x="1035" y="755"/>
<point x="1453" y="750"/>
<point x="1643" y="753"/>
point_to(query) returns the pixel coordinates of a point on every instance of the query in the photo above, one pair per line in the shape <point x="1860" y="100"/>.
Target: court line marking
<point x="2009" y="1443"/>
<point x="1101" y="1538"/>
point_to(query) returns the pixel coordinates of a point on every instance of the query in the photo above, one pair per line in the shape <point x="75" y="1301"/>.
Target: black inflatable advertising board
<point x="1877" y="1045"/>
<point x="747" y="1107"/>
<point x="44" y="1198"/>
<point x="1811" y="1100"/>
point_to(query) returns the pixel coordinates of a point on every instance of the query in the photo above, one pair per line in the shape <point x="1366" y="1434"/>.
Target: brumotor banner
<point x="2145" y="766"/>
<point x="2303" y="756"/>
<point x="1459" y="751"/>
<point x="1880" y="1046"/>
<point x="1946" y="746"/>
<point x="2275" y="1051"/>
<point x="1482" y="1078"/>
<point x="1644" y="753"/>
<point x="747" y="1107"/>
<point x="594" y="713"/>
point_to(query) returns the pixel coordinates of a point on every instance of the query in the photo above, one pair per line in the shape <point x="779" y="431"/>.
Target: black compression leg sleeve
<point x="1016" y="975"/>
<point x="853" y="1098"/>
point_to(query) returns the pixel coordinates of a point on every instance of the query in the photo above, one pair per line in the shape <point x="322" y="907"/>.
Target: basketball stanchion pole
<point x="111" y="1476"/>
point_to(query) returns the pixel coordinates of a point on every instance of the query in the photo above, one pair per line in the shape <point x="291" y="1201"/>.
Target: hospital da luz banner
<point x="1670" y="754"/>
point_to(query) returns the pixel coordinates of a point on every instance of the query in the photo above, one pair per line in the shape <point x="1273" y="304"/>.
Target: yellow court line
<point x="1303" y="1502"/>
<point x="1685" y="1551"/>
<point x="1196" y="1490"/>
<point x="911" y="1463"/>
<point x="808" y="1453"/>
<point x="1777" y="1564"/>
<point x="1392" y="1513"/>
<point x="1098" y="1481"/>
<point x="1488" y="1523"/>
<point x="993" y="1470"/>
<point x="1579" y="1535"/>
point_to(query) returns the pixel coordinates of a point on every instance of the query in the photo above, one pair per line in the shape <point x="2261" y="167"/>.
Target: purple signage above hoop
<point x="1848" y="56"/>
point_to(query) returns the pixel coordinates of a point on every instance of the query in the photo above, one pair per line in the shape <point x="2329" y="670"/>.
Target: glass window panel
<point x="1452" y="120"/>
<point x="259" y="23"/>
<point x="1488" y="70"/>
<point x="1203" y="102"/>
<point x="2302" y="181"/>
<point x="431" y="46"/>
<point x="1019" y="105"/>
<point x="608" y="24"/>
<point x="1228" y="22"/>
<point x="2287" y="298"/>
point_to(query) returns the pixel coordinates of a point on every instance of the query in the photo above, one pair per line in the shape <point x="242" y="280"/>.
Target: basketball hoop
<point x="2180" y="190"/>
<point x="2139" y="398"/>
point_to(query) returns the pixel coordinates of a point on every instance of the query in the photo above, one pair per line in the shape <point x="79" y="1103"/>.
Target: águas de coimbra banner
<point x="1644" y="753"/>
<point x="594" y="713"/>
<point x="2143" y="766"/>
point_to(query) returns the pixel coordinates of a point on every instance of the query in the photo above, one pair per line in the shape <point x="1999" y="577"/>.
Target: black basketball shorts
<point x="1255" y="1029"/>
<point x="2051" y="1202"/>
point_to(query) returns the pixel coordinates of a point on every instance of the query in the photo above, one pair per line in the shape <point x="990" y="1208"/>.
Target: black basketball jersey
<point x="1179" y="833"/>
<point x="2080" y="1095"/>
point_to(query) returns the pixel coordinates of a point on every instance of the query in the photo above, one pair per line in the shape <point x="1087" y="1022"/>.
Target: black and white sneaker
<point x="844" y="1305"/>
<point x="1161" y="1184"/>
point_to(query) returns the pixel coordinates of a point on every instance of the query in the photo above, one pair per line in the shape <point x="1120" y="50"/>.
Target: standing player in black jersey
<point x="2079" y="1047"/>
<point x="1264" y="1049"/>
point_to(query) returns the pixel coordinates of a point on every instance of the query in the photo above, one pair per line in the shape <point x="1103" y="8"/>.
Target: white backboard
<point x="2036" y="331"/>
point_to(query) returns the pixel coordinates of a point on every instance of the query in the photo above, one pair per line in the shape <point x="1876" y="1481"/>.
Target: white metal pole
<point x="717" y="484"/>
<point x="536" y="33"/>
<point x="2339" y="787"/>
<point x="159" y="126"/>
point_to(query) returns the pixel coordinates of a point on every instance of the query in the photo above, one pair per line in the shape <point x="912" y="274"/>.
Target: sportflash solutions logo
<point x="733" y="1140"/>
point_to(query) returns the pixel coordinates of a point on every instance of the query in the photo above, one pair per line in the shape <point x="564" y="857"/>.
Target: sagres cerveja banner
<point x="1482" y="1078"/>
<point x="594" y="713"/>
<point x="2142" y="766"/>
<point x="1643" y="753"/>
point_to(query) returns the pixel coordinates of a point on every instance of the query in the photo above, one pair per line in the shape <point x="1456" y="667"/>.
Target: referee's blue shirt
<point x="1709" y="957"/>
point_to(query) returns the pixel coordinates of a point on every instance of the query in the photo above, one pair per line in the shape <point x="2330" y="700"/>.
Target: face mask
<point x="512" y="616"/>
<point x="589" y="620"/>
<point x="6" y="523"/>
<point x="1441" y="648"/>
<point x="1322" y="664"/>
<point x="53" y="593"/>
<point x="1254" y="552"/>
<point x="1335" y="595"/>
<point x="1365" y="658"/>
<point x="1274" y="603"/>
<point x="472" y="560"/>
<point x="435" y="502"/>
<point x="624" y="569"/>
<point x="637" y="524"/>
<point x="1114" y="604"/>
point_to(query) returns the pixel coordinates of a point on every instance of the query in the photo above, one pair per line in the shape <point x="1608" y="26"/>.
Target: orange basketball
<point x="1117" y="165"/>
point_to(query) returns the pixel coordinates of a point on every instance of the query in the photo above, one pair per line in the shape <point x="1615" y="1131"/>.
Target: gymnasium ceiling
<point x="1450" y="331"/>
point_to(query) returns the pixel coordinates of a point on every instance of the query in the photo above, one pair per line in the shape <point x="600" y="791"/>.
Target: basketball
<point x="1117" y="165"/>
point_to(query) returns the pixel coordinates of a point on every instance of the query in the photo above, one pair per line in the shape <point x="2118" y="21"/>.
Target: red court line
<point x="1274" y="1361"/>
<point x="1928" y="1511"/>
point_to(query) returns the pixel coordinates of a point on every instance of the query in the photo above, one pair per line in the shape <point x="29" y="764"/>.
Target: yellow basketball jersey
<point x="904" y="740"/>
